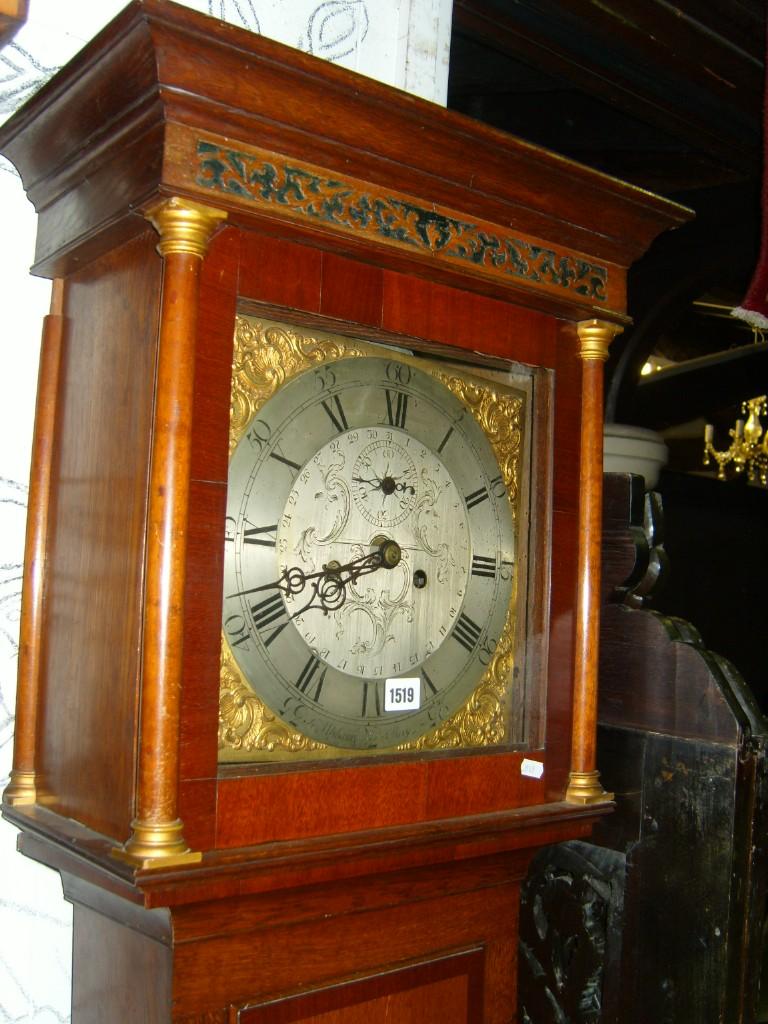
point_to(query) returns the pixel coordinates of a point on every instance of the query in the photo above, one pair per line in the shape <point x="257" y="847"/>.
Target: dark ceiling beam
<point x="698" y="388"/>
<point x="651" y="59"/>
<point x="665" y="173"/>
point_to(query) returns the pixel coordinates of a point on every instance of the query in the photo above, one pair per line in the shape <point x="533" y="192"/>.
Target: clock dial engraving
<point x="367" y="530"/>
<point x="384" y="622"/>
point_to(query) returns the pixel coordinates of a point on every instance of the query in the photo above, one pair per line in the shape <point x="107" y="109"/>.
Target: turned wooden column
<point x="185" y="230"/>
<point x="22" y="788"/>
<point x="584" y="787"/>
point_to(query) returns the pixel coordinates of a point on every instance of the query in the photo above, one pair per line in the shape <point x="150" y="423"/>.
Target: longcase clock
<point x="307" y="667"/>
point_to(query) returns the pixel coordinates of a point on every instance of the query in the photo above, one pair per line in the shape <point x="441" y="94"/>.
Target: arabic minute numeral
<point x="237" y="631"/>
<point x="325" y="378"/>
<point x="258" y="434"/>
<point x="487" y="651"/>
<point x="498" y="490"/>
<point x="399" y="373"/>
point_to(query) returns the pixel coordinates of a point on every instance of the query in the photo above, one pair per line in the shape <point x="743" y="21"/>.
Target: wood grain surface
<point x="94" y="577"/>
<point x="32" y="620"/>
<point x="363" y="873"/>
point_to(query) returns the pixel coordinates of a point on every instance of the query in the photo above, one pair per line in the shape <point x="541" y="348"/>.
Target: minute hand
<point x="329" y="583"/>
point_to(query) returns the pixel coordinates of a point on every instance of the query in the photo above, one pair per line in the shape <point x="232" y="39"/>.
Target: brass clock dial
<point x="370" y="552"/>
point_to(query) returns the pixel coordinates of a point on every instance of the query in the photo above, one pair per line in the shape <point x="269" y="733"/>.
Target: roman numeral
<point x="307" y="683"/>
<point x="371" y="700"/>
<point x="397" y="407"/>
<point x="429" y="684"/>
<point x="466" y="632"/>
<point x="285" y="462"/>
<point x="254" y="535"/>
<point x="340" y="421"/>
<point x="269" y="611"/>
<point x="483" y="566"/>
<point x="445" y="440"/>
<point x="476" y="497"/>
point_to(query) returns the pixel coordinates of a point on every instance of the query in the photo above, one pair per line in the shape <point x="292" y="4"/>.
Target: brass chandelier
<point x="749" y="446"/>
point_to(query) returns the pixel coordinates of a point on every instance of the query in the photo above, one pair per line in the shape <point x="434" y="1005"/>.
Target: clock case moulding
<point x="185" y="171"/>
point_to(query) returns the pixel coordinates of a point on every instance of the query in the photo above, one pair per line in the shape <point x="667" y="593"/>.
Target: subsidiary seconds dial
<point x="386" y="477"/>
<point x="370" y="541"/>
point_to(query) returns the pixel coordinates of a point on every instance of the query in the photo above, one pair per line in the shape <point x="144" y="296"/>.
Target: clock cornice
<point x="102" y="162"/>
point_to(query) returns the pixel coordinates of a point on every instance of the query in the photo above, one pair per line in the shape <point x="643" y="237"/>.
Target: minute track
<point x="380" y="625"/>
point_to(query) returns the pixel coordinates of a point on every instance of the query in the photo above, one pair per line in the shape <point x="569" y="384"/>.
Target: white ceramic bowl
<point x="630" y="449"/>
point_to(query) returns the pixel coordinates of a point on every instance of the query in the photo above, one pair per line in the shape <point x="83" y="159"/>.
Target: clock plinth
<point x="199" y="828"/>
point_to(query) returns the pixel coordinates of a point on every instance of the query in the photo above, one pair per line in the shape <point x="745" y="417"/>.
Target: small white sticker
<point x="402" y="694"/>
<point x="533" y="769"/>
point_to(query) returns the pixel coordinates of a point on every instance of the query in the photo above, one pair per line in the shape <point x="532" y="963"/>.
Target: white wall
<point x="403" y="42"/>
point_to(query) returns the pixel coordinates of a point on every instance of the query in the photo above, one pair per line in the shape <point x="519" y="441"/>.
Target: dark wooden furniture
<point x="701" y="513"/>
<point x="572" y="935"/>
<point x="668" y="911"/>
<point x="672" y="93"/>
<point x="281" y="185"/>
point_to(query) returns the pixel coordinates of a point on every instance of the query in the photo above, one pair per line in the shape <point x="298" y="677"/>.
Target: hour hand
<point x="329" y="588"/>
<point x="329" y="583"/>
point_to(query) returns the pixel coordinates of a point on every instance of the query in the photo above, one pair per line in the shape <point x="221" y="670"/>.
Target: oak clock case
<point x="374" y="551"/>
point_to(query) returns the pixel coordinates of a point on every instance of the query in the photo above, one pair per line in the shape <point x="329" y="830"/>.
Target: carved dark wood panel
<point x="683" y="745"/>
<point x="678" y="937"/>
<point x="570" y="933"/>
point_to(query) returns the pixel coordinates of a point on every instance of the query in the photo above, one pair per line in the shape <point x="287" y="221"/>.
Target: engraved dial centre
<point x="378" y="489"/>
